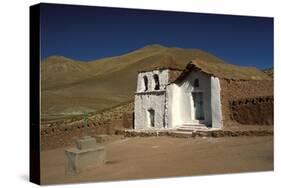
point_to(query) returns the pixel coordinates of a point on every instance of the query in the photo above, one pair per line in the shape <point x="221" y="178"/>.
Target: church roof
<point x="224" y="71"/>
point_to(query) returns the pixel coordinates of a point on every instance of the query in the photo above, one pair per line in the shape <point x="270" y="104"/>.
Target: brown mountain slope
<point x="59" y="70"/>
<point x="269" y="72"/>
<point x="70" y="87"/>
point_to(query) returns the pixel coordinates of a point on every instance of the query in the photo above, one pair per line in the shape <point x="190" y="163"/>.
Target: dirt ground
<point x="156" y="157"/>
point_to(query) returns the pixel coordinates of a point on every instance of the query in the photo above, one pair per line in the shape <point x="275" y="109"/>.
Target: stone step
<point x="185" y="129"/>
<point x="193" y="125"/>
<point x="192" y="128"/>
<point x="181" y="134"/>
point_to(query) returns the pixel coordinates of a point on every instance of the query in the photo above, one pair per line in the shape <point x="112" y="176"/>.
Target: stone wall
<point x="106" y="122"/>
<point x="236" y="90"/>
<point x="252" y="111"/>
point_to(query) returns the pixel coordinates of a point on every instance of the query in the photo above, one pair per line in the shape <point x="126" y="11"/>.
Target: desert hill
<point x="269" y="72"/>
<point x="72" y="87"/>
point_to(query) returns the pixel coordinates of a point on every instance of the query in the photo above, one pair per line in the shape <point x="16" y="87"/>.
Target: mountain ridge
<point x="71" y="86"/>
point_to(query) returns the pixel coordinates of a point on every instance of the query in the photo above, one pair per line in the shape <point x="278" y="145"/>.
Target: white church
<point x="169" y="97"/>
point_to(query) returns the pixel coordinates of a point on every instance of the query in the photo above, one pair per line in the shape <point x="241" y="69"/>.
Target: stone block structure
<point x="86" y="155"/>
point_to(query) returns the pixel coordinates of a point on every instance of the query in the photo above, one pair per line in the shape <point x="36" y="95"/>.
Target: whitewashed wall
<point x="145" y="102"/>
<point x="216" y="103"/>
<point x="180" y="102"/>
<point x="173" y="104"/>
<point x="150" y="99"/>
<point x="172" y="117"/>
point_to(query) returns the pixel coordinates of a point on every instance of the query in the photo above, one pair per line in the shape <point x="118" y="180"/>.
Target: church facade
<point x="168" y="97"/>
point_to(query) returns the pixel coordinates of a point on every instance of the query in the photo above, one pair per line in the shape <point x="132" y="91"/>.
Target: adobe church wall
<point x="148" y="99"/>
<point x="172" y="118"/>
<point x="237" y="90"/>
<point x="146" y="102"/>
<point x="180" y="101"/>
<point x="216" y="103"/>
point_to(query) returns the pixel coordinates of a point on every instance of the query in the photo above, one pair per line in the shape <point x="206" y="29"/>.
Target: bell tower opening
<point x="145" y="81"/>
<point x="156" y="80"/>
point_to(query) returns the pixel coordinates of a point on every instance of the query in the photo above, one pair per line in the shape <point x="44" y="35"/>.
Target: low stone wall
<point x="213" y="133"/>
<point x="144" y="133"/>
<point x="236" y="90"/>
<point x="252" y="111"/>
<point x="233" y="133"/>
<point x="104" y="123"/>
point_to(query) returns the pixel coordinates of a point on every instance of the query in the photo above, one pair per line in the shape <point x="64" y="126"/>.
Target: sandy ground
<point x="156" y="157"/>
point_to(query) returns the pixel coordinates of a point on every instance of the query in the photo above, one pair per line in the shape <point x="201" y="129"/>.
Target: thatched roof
<point x="166" y="62"/>
<point x="224" y="71"/>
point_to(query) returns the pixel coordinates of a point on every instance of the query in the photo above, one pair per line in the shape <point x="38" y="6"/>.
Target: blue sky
<point x="88" y="33"/>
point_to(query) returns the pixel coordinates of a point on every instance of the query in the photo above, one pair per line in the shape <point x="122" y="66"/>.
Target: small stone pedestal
<point x="86" y="155"/>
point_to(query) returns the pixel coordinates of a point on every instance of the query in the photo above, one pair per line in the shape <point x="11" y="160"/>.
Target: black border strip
<point x="34" y="95"/>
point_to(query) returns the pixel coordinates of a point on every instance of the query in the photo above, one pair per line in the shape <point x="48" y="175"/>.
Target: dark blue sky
<point x="88" y="33"/>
